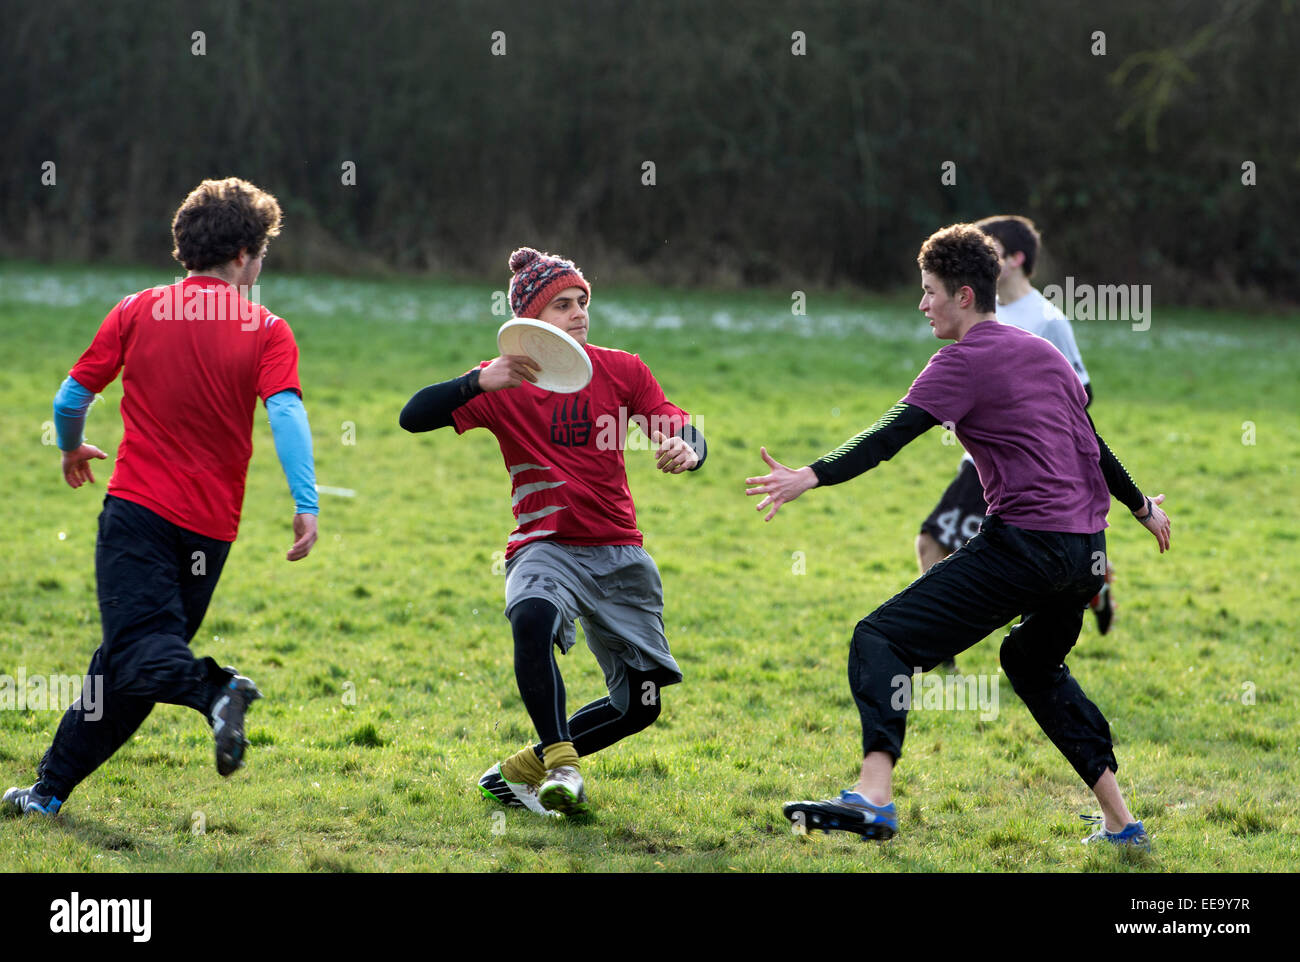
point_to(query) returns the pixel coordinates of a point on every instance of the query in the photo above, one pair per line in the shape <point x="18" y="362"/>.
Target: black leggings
<point x="597" y="725"/>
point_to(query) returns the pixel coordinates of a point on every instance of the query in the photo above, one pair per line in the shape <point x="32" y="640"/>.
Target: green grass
<point x="387" y="665"/>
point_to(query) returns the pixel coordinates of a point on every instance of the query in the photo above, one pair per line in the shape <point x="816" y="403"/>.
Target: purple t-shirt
<point x="1016" y="405"/>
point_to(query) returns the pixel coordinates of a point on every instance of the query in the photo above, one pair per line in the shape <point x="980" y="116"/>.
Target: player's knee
<point x="534" y="622"/>
<point x="644" y="705"/>
<point x="868" y="646"/>
<point x="642" y="715"/>
<point x="929" y="551"/>
<point x="1017" y="662"/>
<point x="924" y="545"/>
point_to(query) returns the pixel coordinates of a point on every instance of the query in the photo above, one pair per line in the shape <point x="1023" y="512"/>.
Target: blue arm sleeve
<point x="293" y="445"/>
<point x="70" y="406"/>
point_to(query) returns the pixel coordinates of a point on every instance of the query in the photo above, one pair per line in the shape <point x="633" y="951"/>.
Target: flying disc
<point x="565" y="367"/>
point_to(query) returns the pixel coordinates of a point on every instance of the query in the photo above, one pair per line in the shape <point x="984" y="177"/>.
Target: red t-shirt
<point x="195" y="358"/>
<point x="564" y="452"/>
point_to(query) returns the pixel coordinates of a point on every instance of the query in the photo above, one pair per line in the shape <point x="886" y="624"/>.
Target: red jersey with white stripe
<point x="564" y="452"/>
<point x="194" y="357"/>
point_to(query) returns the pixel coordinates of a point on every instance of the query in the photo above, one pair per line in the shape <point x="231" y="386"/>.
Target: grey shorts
<point x="614" y="590"/>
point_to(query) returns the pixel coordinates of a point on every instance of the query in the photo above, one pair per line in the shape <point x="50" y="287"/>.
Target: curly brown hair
<point x="219" y="219"/>
<point x="962" y="255"/>
<point x="1015" y="233"/>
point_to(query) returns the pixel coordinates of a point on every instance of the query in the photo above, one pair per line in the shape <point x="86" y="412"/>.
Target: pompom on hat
<point x="538" y="278"/>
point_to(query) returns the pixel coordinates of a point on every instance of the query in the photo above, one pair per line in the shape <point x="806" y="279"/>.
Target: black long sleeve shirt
<point x="904" y="423"/>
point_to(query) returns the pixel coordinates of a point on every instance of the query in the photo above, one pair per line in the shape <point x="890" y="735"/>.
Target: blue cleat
<point x="1134" y="835"/>
<point x="848" y="813"/>
<point x="24" y="801"/>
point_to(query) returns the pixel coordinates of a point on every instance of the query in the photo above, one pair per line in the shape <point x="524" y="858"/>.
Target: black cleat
<point x="23" y="801"/>
<point x="1103" y="606"/>
<point x="848" y="813"/>
<point x="227" y="717"/>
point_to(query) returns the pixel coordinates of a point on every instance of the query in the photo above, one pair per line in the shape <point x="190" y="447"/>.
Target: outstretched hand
<point x="673" y="455"/>
<point x="781" y="485"/>
<point x="76" y="465"/>
<point x="1158" y="523"/>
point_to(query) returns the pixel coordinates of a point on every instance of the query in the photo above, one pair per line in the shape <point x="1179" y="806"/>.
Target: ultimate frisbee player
<point x="194" y="357"/>
<point x="1018" y="407"/>
<point x="575" y="552"/>
<point x="960" y="511"/>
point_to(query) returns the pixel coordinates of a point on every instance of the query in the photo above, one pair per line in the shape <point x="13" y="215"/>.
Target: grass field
<point x="387" y="664"/>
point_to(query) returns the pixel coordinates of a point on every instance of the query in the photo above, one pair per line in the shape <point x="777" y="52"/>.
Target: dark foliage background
<point x="771" y="168"/>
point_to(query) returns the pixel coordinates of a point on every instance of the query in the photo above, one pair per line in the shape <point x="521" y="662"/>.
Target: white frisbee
<point x="565" y="367"/>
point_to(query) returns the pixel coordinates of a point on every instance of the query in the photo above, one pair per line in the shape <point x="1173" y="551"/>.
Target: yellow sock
<point x="561" y="753"/>
<point x="523" y="766"/>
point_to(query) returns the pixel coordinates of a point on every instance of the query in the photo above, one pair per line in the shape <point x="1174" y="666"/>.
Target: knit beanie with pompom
<point x="538" y="278"/>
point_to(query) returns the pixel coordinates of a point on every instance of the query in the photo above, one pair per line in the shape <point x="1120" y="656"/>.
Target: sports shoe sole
<point x="830" y="817"/>
<point x="559" y="798"/>
<point x="1105" y="613"/>
<point x="229" y="736"/>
